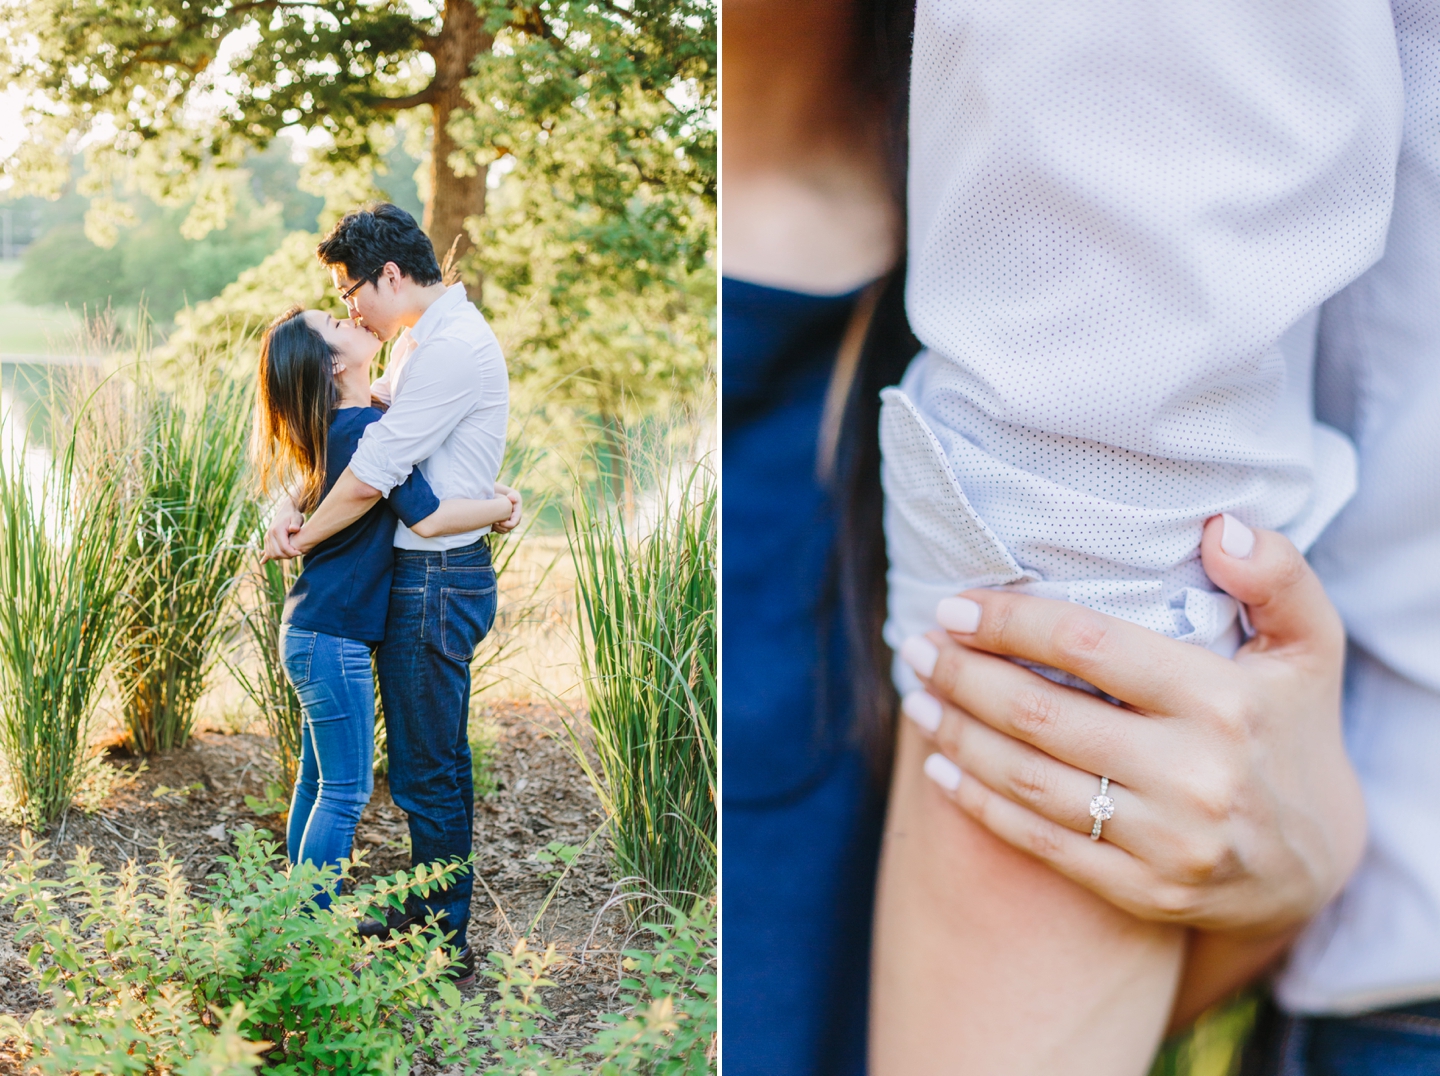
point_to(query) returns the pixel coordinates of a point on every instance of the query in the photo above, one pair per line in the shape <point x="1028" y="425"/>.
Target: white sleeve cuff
<point x="373" y="465"/>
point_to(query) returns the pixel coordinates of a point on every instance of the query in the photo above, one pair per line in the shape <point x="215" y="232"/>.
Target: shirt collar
<point x="437" y="312"/>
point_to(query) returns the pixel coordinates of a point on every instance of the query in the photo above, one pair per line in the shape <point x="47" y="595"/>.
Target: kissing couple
<point x="389" y="492"/>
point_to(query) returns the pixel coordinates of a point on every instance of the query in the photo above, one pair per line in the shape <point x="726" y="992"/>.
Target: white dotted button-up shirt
<point x="1139" y="233"/>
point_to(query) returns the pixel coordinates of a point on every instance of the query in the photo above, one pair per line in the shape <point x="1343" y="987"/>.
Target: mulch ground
<point x="540" y="796"/>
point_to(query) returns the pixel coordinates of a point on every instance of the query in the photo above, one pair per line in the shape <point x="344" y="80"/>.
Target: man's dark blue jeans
<point x="1404" y="1041"/>
<point x="441" y="605"/>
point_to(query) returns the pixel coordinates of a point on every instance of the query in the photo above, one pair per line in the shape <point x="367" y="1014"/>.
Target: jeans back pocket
<point x="466" y="616"/>
<point x="297" y="647"/>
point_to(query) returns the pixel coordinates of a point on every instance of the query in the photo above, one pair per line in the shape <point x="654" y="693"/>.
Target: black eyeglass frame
<point x="353" y="288"/>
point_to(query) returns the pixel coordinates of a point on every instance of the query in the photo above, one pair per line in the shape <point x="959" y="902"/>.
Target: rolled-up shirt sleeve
<point x="436" y="397"/>
<point x="1122" y="220"/>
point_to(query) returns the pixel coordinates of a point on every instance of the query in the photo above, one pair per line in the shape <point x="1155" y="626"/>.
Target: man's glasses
<point x="352" y="289"/>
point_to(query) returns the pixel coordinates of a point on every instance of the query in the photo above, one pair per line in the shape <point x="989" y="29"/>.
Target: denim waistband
<point x="1403" y="1039"/>
<point x="442" y="557"/>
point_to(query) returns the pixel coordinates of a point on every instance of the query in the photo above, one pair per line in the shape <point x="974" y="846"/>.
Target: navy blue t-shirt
<point x="344" y="588"/>
<point x="802" y="815"/>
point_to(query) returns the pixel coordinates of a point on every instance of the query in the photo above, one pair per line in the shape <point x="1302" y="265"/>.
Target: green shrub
<point x="647" y="655"/>
<point x="196" y="519"/>
<point x="144" y="977"/>
<point x="670" y="994"/>
<point x="63" y="531"/>
<point x="672" y="997"/>
<point x="153" y="979"/>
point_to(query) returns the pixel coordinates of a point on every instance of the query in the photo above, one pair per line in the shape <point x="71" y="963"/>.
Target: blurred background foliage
<point x="154" y="263"/>
<point x="584" y="132"/>
<point x="595" y="246"/>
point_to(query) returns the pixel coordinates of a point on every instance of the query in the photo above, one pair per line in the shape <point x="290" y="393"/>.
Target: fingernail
<point x="943" y="772"/>
<point x="958" y="614"/>
<point x="1236" y="539"/>
<point x="923" y="709"/>
<point x="920" y="654"/>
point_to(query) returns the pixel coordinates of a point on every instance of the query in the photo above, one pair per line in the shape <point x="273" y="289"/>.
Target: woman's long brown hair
<point x="882" y="348"/>
<point x="293" y="408"/>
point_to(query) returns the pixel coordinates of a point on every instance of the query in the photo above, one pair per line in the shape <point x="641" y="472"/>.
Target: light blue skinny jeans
<point x="333" y="679"/>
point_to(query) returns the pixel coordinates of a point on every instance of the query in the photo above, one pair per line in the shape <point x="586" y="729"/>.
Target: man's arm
<point x="347" y="501"/>
<point x="442" y="383"/>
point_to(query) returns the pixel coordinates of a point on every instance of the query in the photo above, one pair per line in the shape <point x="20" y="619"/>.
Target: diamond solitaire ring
<point x="1102" y="807"/>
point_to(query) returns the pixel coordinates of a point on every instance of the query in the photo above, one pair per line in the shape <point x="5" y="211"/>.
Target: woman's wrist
<point x="303" y="539"/>
<point x="499" y="508"/>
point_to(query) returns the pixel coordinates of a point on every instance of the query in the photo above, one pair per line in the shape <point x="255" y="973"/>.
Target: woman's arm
<point x="989" y="963"/>
<point x="459" y="514"/>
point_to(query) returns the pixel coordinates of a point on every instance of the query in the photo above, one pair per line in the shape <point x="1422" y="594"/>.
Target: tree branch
<point x="533" y="22"/>
<point x="394" y="104"/>
<point x="271" y="5"/>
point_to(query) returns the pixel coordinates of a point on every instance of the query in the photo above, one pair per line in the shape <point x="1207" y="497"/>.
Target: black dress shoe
<point x="462" y="972"/>
<point x="395" y="922"/>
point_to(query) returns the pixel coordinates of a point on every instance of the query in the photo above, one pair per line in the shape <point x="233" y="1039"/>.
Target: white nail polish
<point x="943" y="772"/>
<point x="920" y="654"/>
<point x="958" y="614"/>
<point x="923" y="709"/>
<point x="1236" y="539"/>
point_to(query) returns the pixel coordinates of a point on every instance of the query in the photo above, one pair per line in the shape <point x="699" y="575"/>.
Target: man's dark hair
<point x="363" y="241"/>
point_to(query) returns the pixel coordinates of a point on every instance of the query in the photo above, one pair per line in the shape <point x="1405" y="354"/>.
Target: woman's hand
<point x="517" y="509"/>
<point x="279" y="539"/>
<point x="1235" y="807"/>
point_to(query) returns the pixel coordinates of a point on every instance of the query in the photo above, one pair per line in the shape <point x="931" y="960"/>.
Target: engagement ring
<point x="1102" y="807"/>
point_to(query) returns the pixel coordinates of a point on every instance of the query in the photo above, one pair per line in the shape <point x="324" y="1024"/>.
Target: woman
<point x="811" y="237"/>
<point x="313" y="407"/>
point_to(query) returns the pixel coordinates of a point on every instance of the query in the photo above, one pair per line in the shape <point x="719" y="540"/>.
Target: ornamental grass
<point x="196" y="520"/>
<point x="646" y="604"/>
<point x="266" y="683"/>
<point x="64" y="530"/>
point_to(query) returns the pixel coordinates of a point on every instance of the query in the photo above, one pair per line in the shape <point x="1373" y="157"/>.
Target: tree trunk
<point x="452" y="197"/>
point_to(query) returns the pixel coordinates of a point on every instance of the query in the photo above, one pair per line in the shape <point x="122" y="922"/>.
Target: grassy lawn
<point x="32" y="330"/>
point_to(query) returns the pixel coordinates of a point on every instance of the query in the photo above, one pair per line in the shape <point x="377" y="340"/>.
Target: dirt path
<point x="540" y="796"/>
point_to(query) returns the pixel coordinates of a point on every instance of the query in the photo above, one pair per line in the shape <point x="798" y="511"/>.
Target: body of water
<point x="26" y="430"/>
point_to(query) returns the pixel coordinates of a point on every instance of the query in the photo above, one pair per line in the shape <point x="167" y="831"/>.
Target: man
<point x="447" y="395"/>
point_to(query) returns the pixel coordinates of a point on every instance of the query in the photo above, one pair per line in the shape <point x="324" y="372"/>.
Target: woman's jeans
<point x="1404" y="1041"/>
<point x="442" y="604"/>
<point x="336" y="687"/>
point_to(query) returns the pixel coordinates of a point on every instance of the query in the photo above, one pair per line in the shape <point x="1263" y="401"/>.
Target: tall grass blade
<point x="267" y="686"/>
<point x="522" y="455"/>
<point x="648" y="656"/>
